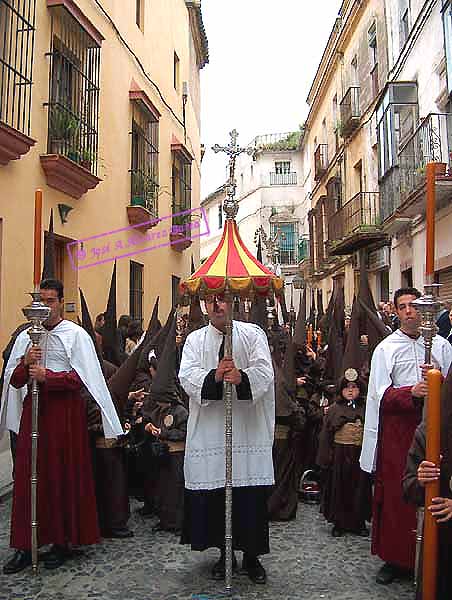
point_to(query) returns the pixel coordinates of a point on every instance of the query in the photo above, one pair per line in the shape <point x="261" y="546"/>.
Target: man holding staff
<point x="66" y="504"/>
<point x="202" y="372"/>
<point x="397" y="389"/>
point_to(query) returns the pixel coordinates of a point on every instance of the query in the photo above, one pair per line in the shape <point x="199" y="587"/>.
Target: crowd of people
<point x="152" y="427"/>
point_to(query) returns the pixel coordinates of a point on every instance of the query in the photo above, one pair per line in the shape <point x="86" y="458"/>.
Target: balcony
<point x="320" y="161"/>
<point x="430" y="142"/>
<point x="350" y="111"/>
<point x="283" y="178"/>
<point x="355" y="225"/>
<point x="142" y="210"/>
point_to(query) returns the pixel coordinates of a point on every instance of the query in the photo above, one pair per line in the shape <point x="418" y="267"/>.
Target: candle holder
<point x="429" y="306"/>
<point x="36" y="313"/>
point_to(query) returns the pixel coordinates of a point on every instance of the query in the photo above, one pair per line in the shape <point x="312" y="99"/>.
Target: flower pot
<point x="75" y="156"/>
<point x="137" y="201"/>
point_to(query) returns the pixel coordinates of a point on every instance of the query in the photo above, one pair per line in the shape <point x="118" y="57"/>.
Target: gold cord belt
<point x="351" y="434"/>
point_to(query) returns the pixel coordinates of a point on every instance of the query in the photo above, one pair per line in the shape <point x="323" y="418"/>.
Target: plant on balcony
<point x="144" y="189"/>
<point x="63" y="132"/>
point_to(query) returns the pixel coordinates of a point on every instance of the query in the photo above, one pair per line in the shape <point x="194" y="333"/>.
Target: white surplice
<point x="67" y="346"/>
<point x="396" y="362"/>
<point x="253" y="420"/>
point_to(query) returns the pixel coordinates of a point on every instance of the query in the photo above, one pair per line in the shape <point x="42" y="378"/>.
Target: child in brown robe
<point x="346" y="496"/>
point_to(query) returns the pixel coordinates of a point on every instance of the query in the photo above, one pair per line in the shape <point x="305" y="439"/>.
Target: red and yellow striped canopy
<point x="231" y="266"/>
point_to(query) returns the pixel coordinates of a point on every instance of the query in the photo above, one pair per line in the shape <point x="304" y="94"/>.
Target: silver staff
<point x="230" y="208"/>
<point x="36" y="313"/>
<point x="429" y="306"/>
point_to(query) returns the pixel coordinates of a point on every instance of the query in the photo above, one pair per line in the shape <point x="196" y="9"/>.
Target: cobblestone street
<point x="306" y="562"/>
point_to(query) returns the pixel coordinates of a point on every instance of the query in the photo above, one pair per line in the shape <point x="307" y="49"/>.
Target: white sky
<point x="263" y="58"/>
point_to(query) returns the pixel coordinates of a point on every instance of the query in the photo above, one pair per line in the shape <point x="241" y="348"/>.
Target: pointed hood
<point x="49" y="268"/>
<point x="154" y="323"/>
<point x="164" y="384"/>
<point x="335" y="340"/>
<point x="299" y="337"/>
<point x="320" y="311"/>
<point x="259" y="250"/>
<point x="258" y="312"/>
<point x="284" y="311"/>
<point x="288" y="366"/>
<point x="155" y="344"/>
<point x="312" y="319"/>
<point x="87" y="324"/>
<point x="120" y="382"/>
<point x="196" y="318"/>
<point x="111" y="344"/>
<point x="354" y="354"/>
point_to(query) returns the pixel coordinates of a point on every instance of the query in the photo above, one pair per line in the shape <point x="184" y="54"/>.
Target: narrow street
<point x="306" y="562"/>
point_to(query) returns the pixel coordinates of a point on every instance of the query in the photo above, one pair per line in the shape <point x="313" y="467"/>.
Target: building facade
<point x="100" y="108"/>
<point x="339" y="150"/>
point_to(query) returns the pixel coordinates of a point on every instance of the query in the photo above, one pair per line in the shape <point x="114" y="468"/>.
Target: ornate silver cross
<point x="232" y="150"/>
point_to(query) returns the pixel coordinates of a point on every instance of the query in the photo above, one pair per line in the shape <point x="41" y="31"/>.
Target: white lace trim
<point x="220" y="483"/>
<point x="238" y="449"/>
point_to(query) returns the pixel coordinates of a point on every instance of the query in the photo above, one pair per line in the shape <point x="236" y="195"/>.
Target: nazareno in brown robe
<point x="414" y="494"/>
<point x="346" y="493"/>
<point x="289" y="418"/>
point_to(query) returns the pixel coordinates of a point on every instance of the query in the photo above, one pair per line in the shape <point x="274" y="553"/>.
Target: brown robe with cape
<point x="290" y="417"/>
<point x="346" y="494"/>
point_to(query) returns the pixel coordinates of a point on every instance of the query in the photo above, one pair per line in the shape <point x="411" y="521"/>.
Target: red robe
<point x="66" y="499"/>
<point x="394" y="521"/>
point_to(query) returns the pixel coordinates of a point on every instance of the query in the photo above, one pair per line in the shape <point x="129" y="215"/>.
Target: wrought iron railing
<point x="283" y="178"/>
<point x="144" y="191"/>
<point x="389" y="187"/>
<point x="350" y="110"/>
<point x="360" y="214"/>
<point x="430" y="142"/>
<point x="303" y="247"/>
<point x="181" y="205"/>
<point x="320" y="161"/>
<point x="73" y="92"/>
<point x="17" y="30"/>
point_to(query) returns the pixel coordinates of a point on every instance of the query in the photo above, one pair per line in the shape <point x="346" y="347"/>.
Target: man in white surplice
<point x="202" y="372"/>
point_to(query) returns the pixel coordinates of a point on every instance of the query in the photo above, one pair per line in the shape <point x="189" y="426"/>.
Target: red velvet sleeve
<point x="398" y="400"/>
<point x="20" y="375"/>
<point x="62" y="381"/>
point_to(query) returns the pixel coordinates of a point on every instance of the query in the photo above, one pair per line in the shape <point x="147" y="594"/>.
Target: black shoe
<point x="120" y="534"/>
<point x="57" y="556"/>
<point x="387" y="574"/>
<point x="20" y="561"/>
<point x="363" y="532"/>
<point x="254" y="569"/>
<point x="219" y="569"/>
<point x="146" y="511"/>
<point x="337" y="532"/>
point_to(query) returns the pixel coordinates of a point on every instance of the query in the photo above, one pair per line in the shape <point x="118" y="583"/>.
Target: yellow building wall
<point x="166" y="30"/>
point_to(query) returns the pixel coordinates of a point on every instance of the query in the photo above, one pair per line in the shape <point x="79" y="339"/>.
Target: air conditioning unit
<point x="379" y="259"/>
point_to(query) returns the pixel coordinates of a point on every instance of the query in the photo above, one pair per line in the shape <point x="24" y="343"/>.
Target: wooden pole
<point x="37" y="239"/>
<point x="432" y="490"/>
<point x="430" y="222"/>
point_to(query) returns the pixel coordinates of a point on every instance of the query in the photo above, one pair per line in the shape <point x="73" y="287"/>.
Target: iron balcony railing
<point x="320" y="161"/>
<point x="17" y="30"/>
<point x="430" y="142"/>
<point x="283" y="178"/>
<point x="350" y="111"/>
<point x="389" y="187"/>
<point x="144" y="191"/>
<point x="360" y="214"/>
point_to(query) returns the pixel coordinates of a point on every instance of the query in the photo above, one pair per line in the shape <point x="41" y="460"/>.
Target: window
<point x="447" y="26"/>
<point x="17" y="30"/>
<point x="220" y="216"/>
<point x="354" y="80"/>
<point x="74" y="91"/>
<point x="136" y="290"/>
<point x="282" y="167"/>
<point x="404" y="27"/>
<point x="336" y="123"/>
<point x="144" y="161"/>
<point x="139" y="13"/>
<point x="287" y="241"/>
<point x="373" y="52"/>
<point x="181" y="184"/>
<point x="176" y="72"/>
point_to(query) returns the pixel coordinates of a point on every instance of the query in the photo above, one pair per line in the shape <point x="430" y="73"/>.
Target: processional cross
<point x="233" y="150"/>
